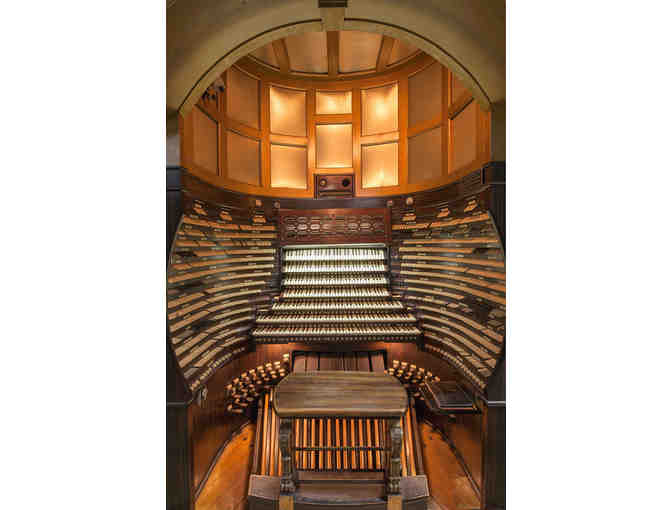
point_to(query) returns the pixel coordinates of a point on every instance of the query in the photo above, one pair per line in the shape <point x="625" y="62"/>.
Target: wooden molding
<point x="425" y="125"/>
<point x="333" y="52"/>
<point x="384" y="53"/>
<point x="334" y="118"/>
<point x="281" y="55"/>
<point x="450" y="108"/>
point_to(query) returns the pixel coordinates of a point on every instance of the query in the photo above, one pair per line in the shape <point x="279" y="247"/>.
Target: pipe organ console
<point x="420" y="278"/>
<point x="326" y="294"/>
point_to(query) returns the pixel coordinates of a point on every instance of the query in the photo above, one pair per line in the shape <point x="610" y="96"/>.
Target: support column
<point x="287" y="483"/>
<point x="394" y="468"/>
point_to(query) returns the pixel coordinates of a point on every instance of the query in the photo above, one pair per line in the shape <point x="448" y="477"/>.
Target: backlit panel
<point x="308" y="52"/>
<point x="464" y="136"/>
<point x="333" y="102"/>
<point x="379" y="165"/>
<point x="289" y="167"/>
<point x="242" y="159"/>
<point x="380" y="110"/>
<point x="205" y="141"/>
<point x="334" y="145"/>
<point x="242" y="98"/>
<point x="424" y="95"/>
<point x="288" y="111"/>
<point x="358" y="51"/>
<point x="424" y="156"/>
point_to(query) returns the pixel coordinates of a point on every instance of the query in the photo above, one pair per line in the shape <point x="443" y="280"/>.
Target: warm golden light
<point x="336" y="102"/>
<point x="288" y="111"/>
<point x="334" y="145"/>
<point x="379" y="165"/>
<point x="289" y="167"/>
<point x="379" y="110"/>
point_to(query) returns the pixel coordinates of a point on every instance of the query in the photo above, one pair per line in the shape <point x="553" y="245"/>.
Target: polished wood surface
<point x="226" y="489"/>
<point x="449" y="485"/>
<point x="340" y="393"/>
<point x="478" y="135"/>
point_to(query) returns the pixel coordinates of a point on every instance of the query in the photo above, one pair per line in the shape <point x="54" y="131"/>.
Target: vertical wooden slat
<point x="310" y="127"/>
<point x="305" y="443"/>
<point x="410" y="456"/>
<point x="258" y="439"/>
<point x="329" y="443"/>
<point x="360" y="425"/>
<point x="416" y="439"/>
<point x="313" y="443"/>
<point x="264" y="453"/>
<point x="369" y="444"/>
<point x="376" y="442"/>
<point x="265" y="104"/>
<point x="403" y="132"/>
<point x="278" y="455"/>
<point x="273" y="442"/>
<point x="337" y="434"/>
<point x="320" y="458"/>
<point x="346" y="461"/>
<point x="297" y="442"/>
<point x="353" y="442"/>
<point x="404" y="471"/>
<point x="333" y="49"/>
<point x="356" y="137"/>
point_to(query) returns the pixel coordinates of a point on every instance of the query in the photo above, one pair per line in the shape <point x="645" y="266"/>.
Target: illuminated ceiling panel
<point x="308" y="52"/>
<point x="358" y="51"/>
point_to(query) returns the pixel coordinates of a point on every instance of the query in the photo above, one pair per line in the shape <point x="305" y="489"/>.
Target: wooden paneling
<point x="289" y="167"/>
<point x="205" y="140"/>
<point x="380" y="112"/>
<point x="358" y="51"/>
<point x="452" y="167"/>
<point x="425" y="90"/>
<point x="424" y="156"/>
<point x="385" y="52"/>
<point x="330" y="102"/>
<point x="288" y="111"/>
<point x="380" y="165"/>
<point x="307" y="52"/>
<point x="465" y="137"/>
<point x="266" y="54"/>
<point x="242" y="97"/>
<point x="334" y="146"/>
<point x="243" y="159"/>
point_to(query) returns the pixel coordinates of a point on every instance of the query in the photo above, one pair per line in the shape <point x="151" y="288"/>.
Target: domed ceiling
<point x="334" y="54"/>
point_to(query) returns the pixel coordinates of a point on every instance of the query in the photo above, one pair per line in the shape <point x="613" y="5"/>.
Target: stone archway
<point x="205" y="37"/>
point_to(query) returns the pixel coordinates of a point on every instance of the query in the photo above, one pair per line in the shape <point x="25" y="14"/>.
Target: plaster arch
<point x="205" y="37"/>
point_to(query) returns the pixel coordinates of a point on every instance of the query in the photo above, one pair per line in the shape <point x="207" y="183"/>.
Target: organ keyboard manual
<point x="334" y="294"/>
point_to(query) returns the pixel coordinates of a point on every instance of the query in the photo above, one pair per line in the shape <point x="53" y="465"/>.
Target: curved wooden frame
<point x="451" y="107"/>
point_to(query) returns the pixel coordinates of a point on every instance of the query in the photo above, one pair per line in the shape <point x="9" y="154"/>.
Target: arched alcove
<point x="207" y="37"/>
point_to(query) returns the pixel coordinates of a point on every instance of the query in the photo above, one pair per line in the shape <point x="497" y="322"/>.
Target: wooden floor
<point x="448" y="484"/>
<point x="226" y="489"/>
